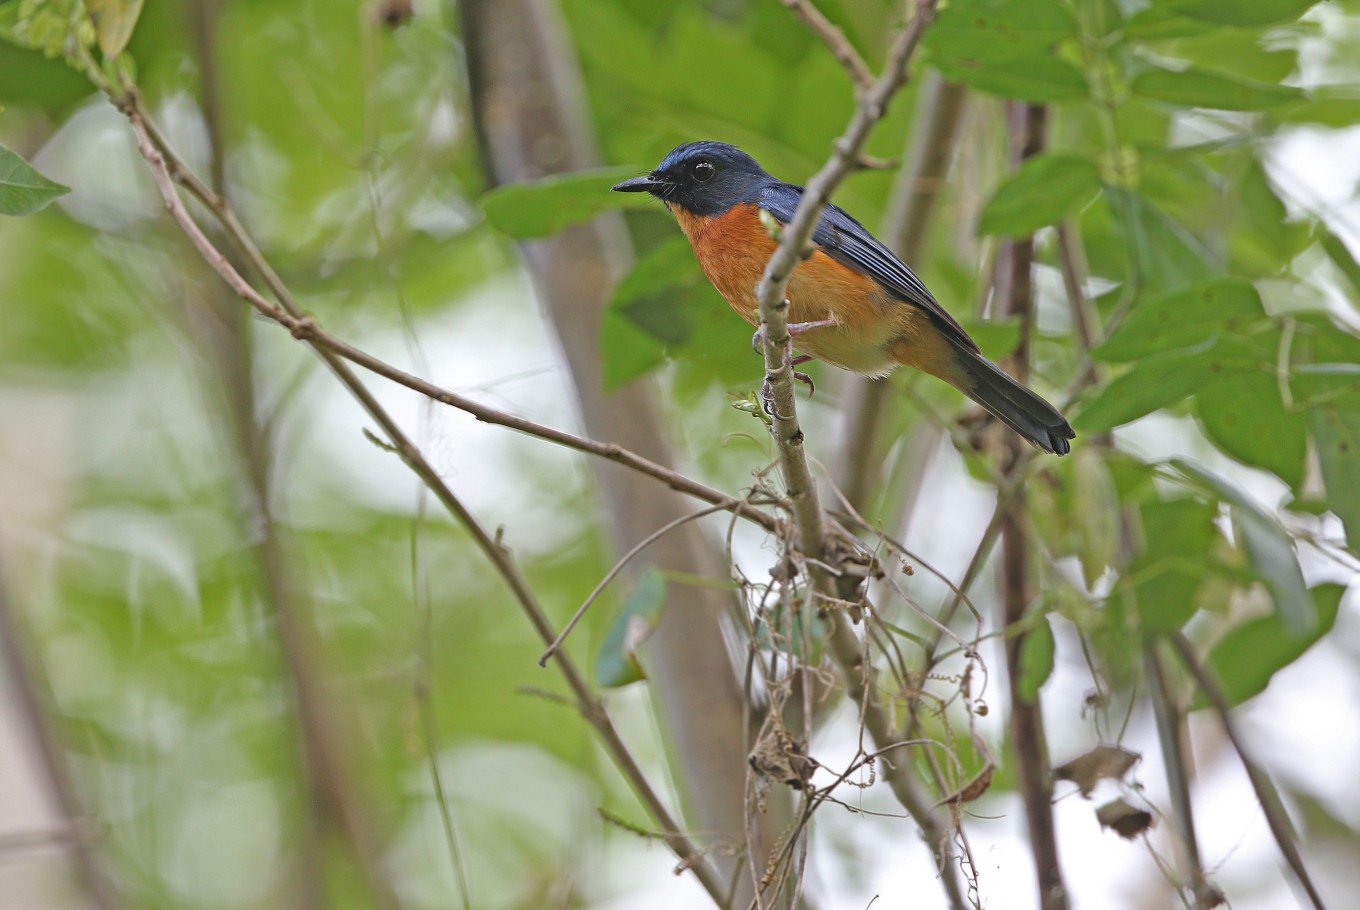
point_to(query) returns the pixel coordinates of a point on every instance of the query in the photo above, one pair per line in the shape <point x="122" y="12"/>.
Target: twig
<point x="845" y="646"/>
<point x="835" y="40"/>
<point x="1266" y="795"/>
<point x="1171" y="732"/>
<point x="586" y="701"/>
<point x="773" y="285"/>
<point x="308" y="329"/>
<point x="613" y="573"/>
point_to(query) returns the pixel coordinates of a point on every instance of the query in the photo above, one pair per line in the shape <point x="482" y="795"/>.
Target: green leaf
<point x="1244" y="416"/>
<point x="1178" y="536"/>
<point x="1036" y="659"/>
<point x="617" y="663"/>
<point x="1247" y="13"/>
<point x="1268" y="546"/>
<point x="23" y="190"/>
<point x="997" y="338"/>
<point x="1248" y="656"/>
<point x="626" y="352"/>
<point x="1325" y="105"/>
<point x="1044" y="190"/>
<point x="999" y="29"/>
<point x="1341" y="257"/>
<point x="541" y="207"/>
<point x="114" y="21"/>
<point x="1151" y="384"/>
<point x="647" y="295"/>
<point x="1166" y="255"/>
<point x="1040" y="78"/>
<point x="1096" y="510"/>
<point x="1201" y="88"/>
<point x="1336" y="434"/>
<point x="1183" y="319"/>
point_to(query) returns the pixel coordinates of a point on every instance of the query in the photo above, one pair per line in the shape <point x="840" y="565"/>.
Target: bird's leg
<point x="767" y="394"/>
<point x="795" y="329"/>
<point x="803" y="377"/>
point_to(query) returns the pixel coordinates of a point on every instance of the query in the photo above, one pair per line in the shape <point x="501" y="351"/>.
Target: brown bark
<point x="1015" y="293"/>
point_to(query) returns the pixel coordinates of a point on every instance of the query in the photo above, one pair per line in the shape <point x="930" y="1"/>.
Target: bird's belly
<point x="866" y="318"/>
<point x="734" y="249"/>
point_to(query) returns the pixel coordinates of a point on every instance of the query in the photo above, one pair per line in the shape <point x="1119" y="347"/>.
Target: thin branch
<point x="835" y="41"/>
<point x="306" y="328"/>
<point x="845" y="645"/>
<point x="1266" y="794"/>
<point x="773" y="285"/>
<point x="1171" y="732"/>
<point x="1014" y="286"/>
<point x="613" y="573"/>
<point x="592" y="710"/>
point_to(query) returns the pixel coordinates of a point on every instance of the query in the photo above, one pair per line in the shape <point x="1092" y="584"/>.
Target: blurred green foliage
<point x="346" y="148"/>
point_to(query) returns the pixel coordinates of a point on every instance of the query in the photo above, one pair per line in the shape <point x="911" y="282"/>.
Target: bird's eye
<point x="703" y="172"/>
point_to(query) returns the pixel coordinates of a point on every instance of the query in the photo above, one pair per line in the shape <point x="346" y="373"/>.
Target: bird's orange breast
<point x="733" y="249"/>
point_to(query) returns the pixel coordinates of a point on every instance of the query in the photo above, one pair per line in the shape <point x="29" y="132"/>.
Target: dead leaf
<point x="1127" y="821"/>
<point x="971" y="790"/>
<point x="1102" y="761"/>
<point x="781" y="757"/>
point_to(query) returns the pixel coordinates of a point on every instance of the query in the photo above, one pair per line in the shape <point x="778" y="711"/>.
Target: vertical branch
<point x="27" y="683"/>
<point x="931" y="146"/>
<point x="1015" y="294"/>
<point x="531" y="121"/>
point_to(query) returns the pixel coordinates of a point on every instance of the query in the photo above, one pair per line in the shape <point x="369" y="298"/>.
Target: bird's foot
<point x="795" y="329"/>
<point x="798" y="328"/>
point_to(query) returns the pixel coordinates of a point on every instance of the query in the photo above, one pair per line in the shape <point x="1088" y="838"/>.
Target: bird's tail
<point x="1011" y="403"/>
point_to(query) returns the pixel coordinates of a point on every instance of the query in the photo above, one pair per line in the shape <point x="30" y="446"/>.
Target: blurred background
<point x="252" y="663"/>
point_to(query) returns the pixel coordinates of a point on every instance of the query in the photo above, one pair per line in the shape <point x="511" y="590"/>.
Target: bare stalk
<point x="1014" y="287"/>
<point x="1266" y="794"/>
<point x="1171" y="732"/>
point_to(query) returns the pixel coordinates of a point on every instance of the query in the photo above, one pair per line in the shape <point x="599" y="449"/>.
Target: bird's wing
<point x="844" y="239"/>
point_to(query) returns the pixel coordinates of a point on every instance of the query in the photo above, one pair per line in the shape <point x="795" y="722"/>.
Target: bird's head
<point x="703" y="178"/>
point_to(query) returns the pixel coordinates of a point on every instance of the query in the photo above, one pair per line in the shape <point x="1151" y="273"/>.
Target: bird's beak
<point x="643" y="184"/>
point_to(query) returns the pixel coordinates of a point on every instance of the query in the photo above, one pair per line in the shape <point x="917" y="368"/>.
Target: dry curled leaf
<point x="779" y="756"/>
<point x="971" y="790"/>
<point x="1102" y="761"/>
<point x="1127" y="821"/>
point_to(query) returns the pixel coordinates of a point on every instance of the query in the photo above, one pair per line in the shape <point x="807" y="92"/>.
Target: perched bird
<point x="852" y="303"/>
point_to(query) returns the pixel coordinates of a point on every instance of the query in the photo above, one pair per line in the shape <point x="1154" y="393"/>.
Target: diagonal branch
<point x="1266" y="794"/>
<point x="845" y="645"/>
<point x="773" y="286"/>
<point x="835" y="41"/>
<point x="587" y="702"/>
<point x="303" y="327"/>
